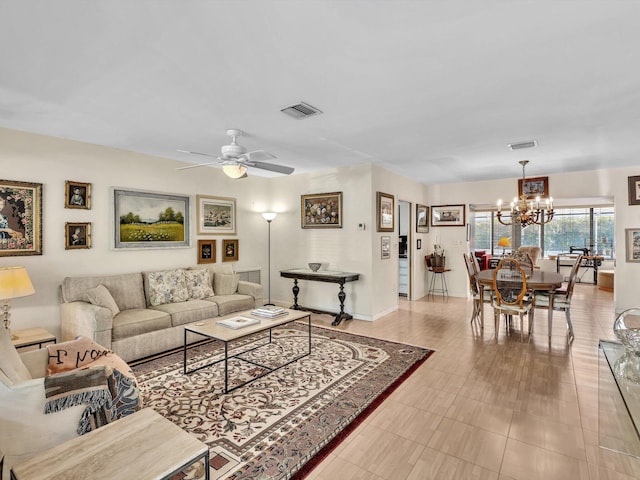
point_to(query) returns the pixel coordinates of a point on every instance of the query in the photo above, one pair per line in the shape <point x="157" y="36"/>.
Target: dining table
<point x="538" y="280"/>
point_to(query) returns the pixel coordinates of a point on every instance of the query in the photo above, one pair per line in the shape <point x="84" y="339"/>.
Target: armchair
<point x="483" y="258"/>
<point x="25" y="429"/>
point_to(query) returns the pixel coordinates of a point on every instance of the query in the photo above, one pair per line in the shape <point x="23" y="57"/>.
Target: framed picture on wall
<point x="77" y="235"/>
<point x="321" y="210"/>
<point x="20" y="218"/>
<point x="385" y="247"/>
<point x="230" y="250"/>
<point x="448" y="216"/>
<point x="634" y="190"/>
<point x="633" y="244"/>
<point x="216" y="215"/>
<point x="77" y="195"/>
<point x="385" y="212"/>
<point x="533" y="187"/>
<point x="422" y="218"/>
<point x="206" y="251"/>
<point x="150" y="219"/>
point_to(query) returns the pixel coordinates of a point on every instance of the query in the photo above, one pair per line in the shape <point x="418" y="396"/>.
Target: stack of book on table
<point x="269" y="311"/>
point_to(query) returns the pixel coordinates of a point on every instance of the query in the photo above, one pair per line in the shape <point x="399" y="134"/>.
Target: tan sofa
<point x="141" y="314"/>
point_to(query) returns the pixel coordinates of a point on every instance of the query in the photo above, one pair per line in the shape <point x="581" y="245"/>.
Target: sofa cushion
<point x="199" y="283"/>
<point x="187" y="312"/>
<point x="232" y="303"/>
<point x="102" y="297"/>
<point x="166" y="286"/>
<point x="126" y="289"/>
<point x="129" y="323"/>
<point x="12" y="369"/>
<point x="225" y="284"/>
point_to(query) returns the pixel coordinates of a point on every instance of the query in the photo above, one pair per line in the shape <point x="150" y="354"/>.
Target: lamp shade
<point x="268" y="216"/>
<point x="504" y="242"/>
<point x="234" y="171"/>
<point x="14" y="283"/>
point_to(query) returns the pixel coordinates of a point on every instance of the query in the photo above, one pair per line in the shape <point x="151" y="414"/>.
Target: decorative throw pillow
<point x="168" y="286"/>
<point x="199" y="283"/>
<point x="12" y="369"/>
<point x="102" y="297"/>
<point x="74" y="354"/>
<point x="226" y="284"/>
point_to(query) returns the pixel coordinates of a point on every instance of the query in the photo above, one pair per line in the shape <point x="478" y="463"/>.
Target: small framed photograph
<point x="230" y="250"/>
<point x="77" y="195"/>
<point x="419" y="244"/>
<point x="448" y="216"/>
<point x="206" y="251"/>
<point x="422" y="218"/>
<point x="385" y="209"/>
<point x="216" y="215"/>
<point x="77" y="235"/>
<point x="633" y="244"/>
<point x="533" y="187"/>
<point x="634" y="190"/>
<point x="385" y="247"/>
<point x="321" y="210"/>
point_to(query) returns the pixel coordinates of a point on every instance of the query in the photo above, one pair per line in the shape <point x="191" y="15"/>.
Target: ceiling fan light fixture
<point x="234" y="171"/>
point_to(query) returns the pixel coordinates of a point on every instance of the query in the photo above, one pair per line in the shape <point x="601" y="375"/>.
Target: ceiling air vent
<point x="301" y="110"/>
<point x="521" y="145"/>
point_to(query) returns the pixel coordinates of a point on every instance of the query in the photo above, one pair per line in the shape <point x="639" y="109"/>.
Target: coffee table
<point x="141" y="445"/>
<point x="213" y="331"/>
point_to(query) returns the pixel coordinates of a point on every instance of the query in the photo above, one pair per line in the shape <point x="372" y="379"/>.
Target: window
<point x="585" y="227"/>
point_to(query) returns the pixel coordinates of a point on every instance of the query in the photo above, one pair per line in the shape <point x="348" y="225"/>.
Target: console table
<point x="325" y="276"/>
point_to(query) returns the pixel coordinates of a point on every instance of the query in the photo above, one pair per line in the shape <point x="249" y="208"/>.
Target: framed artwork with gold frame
<point x="206" y="251"/>
<point x="77" y="235"/>
<point x="230" y="250"/>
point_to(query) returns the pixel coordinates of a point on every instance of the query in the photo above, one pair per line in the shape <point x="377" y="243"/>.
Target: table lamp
<point x="504" y="242"/>
<point x="14" y="283"/>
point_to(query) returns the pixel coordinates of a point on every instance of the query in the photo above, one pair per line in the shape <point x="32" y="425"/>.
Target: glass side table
<point x="618" y="399"/>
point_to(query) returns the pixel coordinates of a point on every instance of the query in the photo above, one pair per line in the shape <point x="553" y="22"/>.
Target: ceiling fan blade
<point x="272" y="167"/>
<point x="197" y="153"/>
<point x="258" y="155"/>
<point x="198" y="165"/>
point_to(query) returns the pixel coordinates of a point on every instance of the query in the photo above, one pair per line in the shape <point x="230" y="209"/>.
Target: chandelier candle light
<point x="527" y="213"/>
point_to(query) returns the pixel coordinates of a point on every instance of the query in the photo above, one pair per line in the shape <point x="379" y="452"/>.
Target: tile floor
<point x="482" y="408"/>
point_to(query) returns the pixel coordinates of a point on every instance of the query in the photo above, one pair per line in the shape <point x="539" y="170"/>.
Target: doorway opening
<point x="404" y="249"/>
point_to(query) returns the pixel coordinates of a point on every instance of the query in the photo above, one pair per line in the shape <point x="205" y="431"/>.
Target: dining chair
<point x="511" y="296"/>
<point x="476" y="291"/>
<point x="525" y="261"/>
<point x="561" y="299"/>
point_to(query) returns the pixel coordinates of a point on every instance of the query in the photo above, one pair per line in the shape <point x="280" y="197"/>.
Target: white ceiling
<point x="433" y="90"/>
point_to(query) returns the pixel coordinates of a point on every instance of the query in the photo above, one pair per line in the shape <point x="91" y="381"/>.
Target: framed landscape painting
<point x="385" y="212"/>
<point x="216" y="215"/>
<point x="448" y="216"/>
<point x="20" y="218"/>
<point x="150" y="219"/>
<point x="321" y="210"/>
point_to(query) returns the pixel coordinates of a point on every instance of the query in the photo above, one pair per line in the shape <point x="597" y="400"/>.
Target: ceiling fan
<point x="235" y="159"/>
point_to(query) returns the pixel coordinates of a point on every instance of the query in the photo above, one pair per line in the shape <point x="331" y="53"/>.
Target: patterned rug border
<point x="324" y="452"/>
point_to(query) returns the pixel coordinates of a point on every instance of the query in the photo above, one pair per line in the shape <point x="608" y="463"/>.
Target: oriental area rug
<point x="281" y="425"/>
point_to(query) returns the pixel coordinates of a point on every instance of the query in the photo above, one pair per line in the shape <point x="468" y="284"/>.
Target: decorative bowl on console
<point x="314" y="266"/>
<point x="627" y="328"/>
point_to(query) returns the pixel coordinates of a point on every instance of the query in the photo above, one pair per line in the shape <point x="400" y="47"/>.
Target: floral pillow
<point x="168" y="286"/>
<point x="199" y="283"/>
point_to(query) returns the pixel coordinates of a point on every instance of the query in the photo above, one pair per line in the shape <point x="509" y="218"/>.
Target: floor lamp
<point x="269" y="216"/>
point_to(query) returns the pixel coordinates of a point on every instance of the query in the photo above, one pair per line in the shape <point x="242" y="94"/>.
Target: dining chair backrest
<point x="572" y="277"/>
<point x="509" y="282"/>
<point x="471" y="273"/>
<point x="525" y="261"/>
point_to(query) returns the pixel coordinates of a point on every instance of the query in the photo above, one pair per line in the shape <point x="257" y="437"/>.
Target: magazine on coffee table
<point x="238" y="322"/>
<point x="269" y="311"/>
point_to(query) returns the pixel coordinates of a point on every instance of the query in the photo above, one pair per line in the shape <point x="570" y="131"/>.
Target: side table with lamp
<point x="15" y="283"/>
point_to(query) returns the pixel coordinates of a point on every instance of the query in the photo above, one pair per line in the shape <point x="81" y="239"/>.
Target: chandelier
<point x="538" y="211"/>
